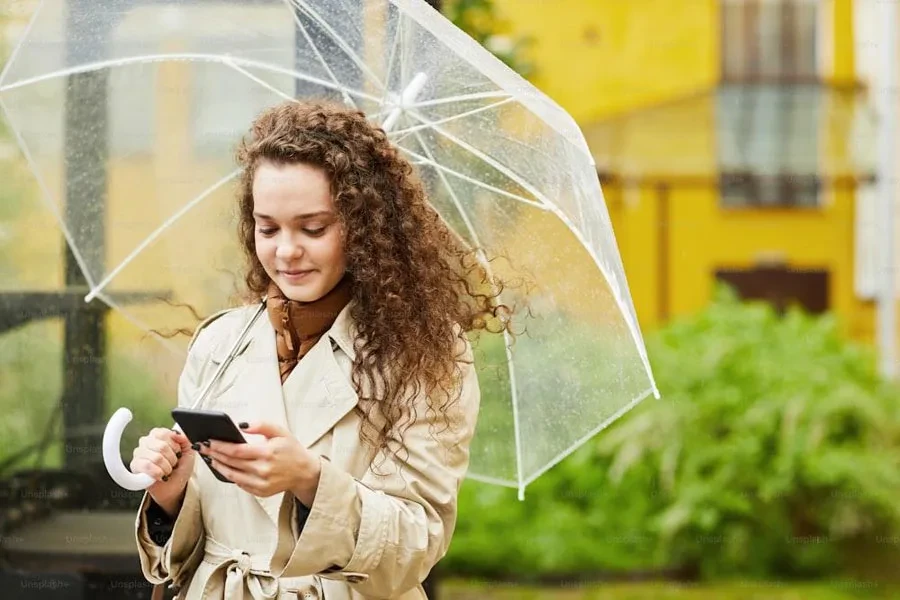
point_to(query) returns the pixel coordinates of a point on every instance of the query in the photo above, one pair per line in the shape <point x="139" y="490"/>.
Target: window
<point x="768" y="139"/>
<point x="754" y="190"/>
<point x="781" y="286"/>
<point x="770" y="40"/>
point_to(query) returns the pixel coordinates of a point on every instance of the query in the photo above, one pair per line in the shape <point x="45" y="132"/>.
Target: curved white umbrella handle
<point x="112" y="436"/>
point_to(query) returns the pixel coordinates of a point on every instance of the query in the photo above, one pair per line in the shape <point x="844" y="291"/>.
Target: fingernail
<point x="195" y="446"/>
<point x="165" y="478"/>
<point x="206" y="443"/>
<point x="178" y="454"/>
<point x="243" y="424"/>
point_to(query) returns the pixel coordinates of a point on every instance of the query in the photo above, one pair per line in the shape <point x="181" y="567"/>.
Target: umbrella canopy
<point x="163" y="91"/>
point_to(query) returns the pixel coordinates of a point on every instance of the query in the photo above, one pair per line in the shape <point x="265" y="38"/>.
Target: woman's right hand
<point x="167" y="457"/>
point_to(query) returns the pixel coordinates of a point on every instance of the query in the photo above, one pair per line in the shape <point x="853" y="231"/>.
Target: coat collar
<point x="343" y="332"/>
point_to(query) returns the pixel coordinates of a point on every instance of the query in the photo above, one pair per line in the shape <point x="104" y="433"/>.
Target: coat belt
<point x="245" y="571"/>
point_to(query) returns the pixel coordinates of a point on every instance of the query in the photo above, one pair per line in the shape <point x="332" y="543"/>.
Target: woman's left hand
<point x="278" y="464"/>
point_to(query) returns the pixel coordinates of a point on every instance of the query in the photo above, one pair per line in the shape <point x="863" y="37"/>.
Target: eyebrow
<point x="320" y="213"/>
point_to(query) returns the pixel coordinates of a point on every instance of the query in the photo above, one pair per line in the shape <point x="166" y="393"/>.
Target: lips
<point x="296" y="272"/>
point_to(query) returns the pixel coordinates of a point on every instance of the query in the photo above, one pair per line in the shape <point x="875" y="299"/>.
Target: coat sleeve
<point x="178" y="556"/>
<point x="383" y="534"/>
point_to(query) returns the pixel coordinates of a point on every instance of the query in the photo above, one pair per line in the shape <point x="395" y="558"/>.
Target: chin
<point x="300" y="294"/>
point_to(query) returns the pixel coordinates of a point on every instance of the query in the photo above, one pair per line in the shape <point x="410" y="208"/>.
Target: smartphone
<point x="200" y="425"/>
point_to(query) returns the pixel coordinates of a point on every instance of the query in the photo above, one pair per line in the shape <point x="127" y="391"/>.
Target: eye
<point x="267" y="231"/>
<point x="315" y="232"/>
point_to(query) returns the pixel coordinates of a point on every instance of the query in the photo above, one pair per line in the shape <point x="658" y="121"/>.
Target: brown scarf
<point x="299" y="325"/>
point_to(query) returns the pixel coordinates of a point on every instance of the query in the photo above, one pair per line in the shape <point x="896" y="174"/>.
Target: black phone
<point x="200" y="425"/>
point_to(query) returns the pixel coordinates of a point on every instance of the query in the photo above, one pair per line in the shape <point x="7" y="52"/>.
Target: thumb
<point x="181" y="440"/>
<point x="268" y="430"/>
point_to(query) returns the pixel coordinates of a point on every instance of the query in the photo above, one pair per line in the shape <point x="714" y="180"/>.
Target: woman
<point x="360" y="381"/>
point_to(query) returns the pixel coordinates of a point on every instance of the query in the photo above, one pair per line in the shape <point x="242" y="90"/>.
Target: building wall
<point x="597" y="59"/>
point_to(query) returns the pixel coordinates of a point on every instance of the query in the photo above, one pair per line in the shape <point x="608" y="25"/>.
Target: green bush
<point x="774" y="446"/>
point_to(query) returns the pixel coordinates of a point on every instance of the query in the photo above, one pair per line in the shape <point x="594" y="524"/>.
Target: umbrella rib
<point x="425" y="161"/>
<point x="517" y="436"/>
<point x="315" y="48"/>
<point x="390" y="65"/>
<point x="158" y="231"/>
<point x="460" y="98"/>
<point x="492" y="480"/>
<point x="253" y="77"/>
<point x="401" y="133"/>
<point x="614" y="289"/>
<point x="341" y="43"/>
<point x="103" y="64"/>
<point x="578" y="443"/>
<point x="485" y="158"/>
<point x="47" y="197"/>
<point x="21" y="42"/>
<point x="139" y="324"/>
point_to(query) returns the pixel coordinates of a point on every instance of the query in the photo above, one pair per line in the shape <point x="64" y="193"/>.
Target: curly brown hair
<point x="414" y="281"/>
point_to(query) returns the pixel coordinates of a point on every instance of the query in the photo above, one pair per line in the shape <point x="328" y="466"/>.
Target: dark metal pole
<point x="85" y="147"/>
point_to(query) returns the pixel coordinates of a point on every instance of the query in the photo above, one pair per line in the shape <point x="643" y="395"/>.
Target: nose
<point x="287" y="248"/>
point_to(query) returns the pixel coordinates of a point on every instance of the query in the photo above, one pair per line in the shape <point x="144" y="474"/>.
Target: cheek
<point x="265" y="249"/>
<point x="335" y="249"/>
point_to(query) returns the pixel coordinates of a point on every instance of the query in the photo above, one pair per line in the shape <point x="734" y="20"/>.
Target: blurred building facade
<point x="736" y="142"/>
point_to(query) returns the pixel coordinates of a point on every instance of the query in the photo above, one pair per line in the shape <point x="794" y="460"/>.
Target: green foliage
<point x="31" y="369"/>
<point x="479" y="19"/>
<point x="733" y="590"/>
<point x="774" y="446"/>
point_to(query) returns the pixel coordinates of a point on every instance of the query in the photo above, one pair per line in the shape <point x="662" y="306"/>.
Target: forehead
<point x="281" y="190"/>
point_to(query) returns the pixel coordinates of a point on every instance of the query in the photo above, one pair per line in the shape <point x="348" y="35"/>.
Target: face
<point x="299" y="241"/>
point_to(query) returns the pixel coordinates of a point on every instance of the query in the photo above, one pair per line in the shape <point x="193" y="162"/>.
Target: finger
<point x="155" y="458"/>
<point x="175" y="439"/>
<point x="231" y="462"/>
<point x="232" y="475"/>
<point x="184" y="444"/>
<point x="161" y="433"/>
<point x="264" y="428"/>
<point x="245" y="451"/>
<point x="244" y="480"/>
<point x="141" y="465"/>
<point x="164" y="447"/>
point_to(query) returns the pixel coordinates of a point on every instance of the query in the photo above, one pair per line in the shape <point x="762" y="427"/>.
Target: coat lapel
<point x="257" y="390"/>
<point x="318" y="392"/>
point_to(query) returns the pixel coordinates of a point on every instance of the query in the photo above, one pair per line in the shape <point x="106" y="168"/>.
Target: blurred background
<point x="746" y="150"/>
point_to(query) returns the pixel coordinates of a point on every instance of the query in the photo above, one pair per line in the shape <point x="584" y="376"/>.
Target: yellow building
<point x="732" y="137"/>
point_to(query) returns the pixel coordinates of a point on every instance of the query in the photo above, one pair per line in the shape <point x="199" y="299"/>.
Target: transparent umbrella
<point x="150" y="99"/>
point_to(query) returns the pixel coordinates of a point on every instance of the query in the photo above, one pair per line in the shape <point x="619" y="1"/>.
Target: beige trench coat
<point x="374" y="531"/>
